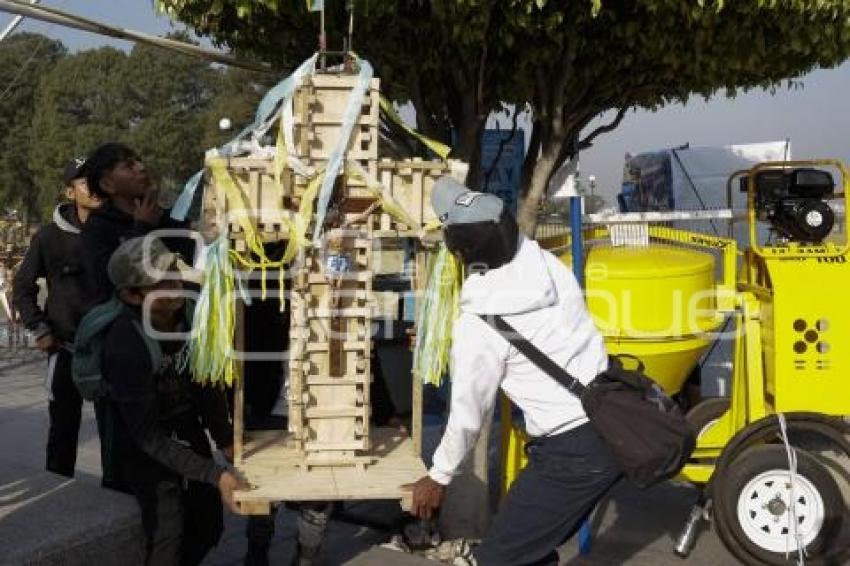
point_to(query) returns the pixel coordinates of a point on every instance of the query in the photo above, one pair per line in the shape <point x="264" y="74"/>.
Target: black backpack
<point x="644" y="429"/>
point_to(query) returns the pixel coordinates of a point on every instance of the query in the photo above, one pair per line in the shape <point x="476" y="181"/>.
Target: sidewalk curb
<point x="21" y="363"/>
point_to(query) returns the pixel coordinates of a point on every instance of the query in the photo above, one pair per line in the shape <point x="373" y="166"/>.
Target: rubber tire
<point x="704" y="412"/>
<point x="749" y="464"/>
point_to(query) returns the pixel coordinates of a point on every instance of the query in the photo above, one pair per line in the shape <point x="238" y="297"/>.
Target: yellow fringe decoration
<point x="211" y="355"/>
<point x="441" y="149"/>
<point x="437" y="313"/>
<point x="211" y="347"/>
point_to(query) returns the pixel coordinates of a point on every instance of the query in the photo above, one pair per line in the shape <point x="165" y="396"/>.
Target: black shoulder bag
<point x="644" y="429"/>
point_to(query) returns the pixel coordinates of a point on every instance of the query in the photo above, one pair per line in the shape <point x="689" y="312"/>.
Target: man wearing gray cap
<point x="570" y="468"/>
<point x="157" y="440"/>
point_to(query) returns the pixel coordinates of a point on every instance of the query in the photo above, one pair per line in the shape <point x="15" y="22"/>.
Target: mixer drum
<point x="656" y="303"/>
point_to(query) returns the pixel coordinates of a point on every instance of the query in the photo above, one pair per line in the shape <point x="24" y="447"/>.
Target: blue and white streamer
<point x="352" y="113"/>
<point x="266" y="114"/>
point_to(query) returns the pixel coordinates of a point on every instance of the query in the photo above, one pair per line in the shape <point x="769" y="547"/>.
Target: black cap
<point x="75" y="169"/>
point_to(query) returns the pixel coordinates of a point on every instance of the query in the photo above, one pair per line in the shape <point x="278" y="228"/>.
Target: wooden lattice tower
<point x="329" y="440"/>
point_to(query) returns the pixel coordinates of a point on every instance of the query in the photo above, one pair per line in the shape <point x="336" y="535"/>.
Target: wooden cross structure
<point x="330" y="451"/>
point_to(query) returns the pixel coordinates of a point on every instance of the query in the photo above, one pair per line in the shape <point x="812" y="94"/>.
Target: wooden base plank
<point x="254" y="507"/>
<point x="276" y="469"/>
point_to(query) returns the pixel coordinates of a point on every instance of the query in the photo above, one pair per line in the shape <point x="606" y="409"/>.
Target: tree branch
<point x="564" y="75"/>
<point x="543" y="108"/>
<point x="424" y="117"/>
<point x="588" y="140"/>
<point x="482" y="65"/>
<point x="573" y="127"/>
<point x="531" y="156"/>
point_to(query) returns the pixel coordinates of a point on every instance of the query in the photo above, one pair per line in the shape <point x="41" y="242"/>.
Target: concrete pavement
<point x="634" y="528"/>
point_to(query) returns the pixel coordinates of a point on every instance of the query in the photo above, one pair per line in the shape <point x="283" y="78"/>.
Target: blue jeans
<point x="566" y="476"/>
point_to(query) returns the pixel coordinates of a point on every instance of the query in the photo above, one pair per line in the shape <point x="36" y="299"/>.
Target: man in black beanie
<point x="570" y="468"/>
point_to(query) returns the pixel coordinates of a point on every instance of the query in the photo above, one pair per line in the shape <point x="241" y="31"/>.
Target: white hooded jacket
<point x="541" y="299"/>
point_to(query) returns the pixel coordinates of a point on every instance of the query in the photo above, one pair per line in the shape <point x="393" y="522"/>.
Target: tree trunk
<point x="467" y="125"/>
<point x="543" y="169"/>
<point x="468" y="144"/>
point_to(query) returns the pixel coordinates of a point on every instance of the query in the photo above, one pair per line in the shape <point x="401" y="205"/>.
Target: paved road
<point x="635" y="528"/>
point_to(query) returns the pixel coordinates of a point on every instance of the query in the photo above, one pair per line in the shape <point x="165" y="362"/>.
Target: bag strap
<point x="534" y="354"/>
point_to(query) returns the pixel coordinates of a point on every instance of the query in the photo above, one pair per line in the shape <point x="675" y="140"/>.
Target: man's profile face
<point x="128" y="178"/>
<point x="78" y="192"/>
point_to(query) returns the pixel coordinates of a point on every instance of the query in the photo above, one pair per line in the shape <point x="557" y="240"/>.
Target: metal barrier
<point x="551" y="226"/>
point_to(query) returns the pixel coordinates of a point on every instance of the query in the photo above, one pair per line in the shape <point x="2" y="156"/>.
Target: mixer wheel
<point x="762" y="515"/>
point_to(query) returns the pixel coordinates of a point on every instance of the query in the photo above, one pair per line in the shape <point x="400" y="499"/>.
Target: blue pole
<point x="577" y="241"/>
<point x="585" y="534"/>
<point x="585" y="537"/>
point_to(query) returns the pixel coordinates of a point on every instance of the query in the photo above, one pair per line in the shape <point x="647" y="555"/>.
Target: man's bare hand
<point x="147" y="209"/>
<point x="47" y="343"/>
<point x="427" y="497"/>
<point x="229" y="482"/>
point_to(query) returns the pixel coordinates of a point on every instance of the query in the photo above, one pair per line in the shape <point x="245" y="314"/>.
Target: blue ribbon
<point x="268" y="106"/>
<point x="352" y="112"/>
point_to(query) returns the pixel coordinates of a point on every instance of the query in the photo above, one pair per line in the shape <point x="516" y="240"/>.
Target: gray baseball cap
<point x="144" y="262"/>
<point x="454" y="203"/>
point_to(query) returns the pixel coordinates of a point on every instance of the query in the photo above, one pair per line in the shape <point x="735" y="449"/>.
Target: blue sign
<point x="504" y="179"/>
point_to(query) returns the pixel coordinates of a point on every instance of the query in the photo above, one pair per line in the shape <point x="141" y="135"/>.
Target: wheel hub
<point x="777" y="506"/>
<point x="765" y="511"/>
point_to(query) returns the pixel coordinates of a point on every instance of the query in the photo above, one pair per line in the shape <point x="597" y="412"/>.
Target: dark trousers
<point x="566" y="476"/>
<point x="182" y="523"/>
<point x="65" y="410"/>
<point x="182" y="520"/>
<point x="313" y="518"/>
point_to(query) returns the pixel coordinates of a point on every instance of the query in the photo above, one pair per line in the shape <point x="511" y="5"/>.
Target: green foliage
<point x="166" y="106"/>
<point x="24" y="57"/>
<point x="80" y="103"/>
<point x="459" y="60"/>
<point x="239" y="94"/>
<point x="644" y="52"/>
<point x="167" y="98"/>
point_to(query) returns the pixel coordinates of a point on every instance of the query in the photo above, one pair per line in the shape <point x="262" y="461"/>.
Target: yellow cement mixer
<point x="772" y="461"/>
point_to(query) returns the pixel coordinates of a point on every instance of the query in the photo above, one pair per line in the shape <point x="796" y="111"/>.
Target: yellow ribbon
<point x="441" y="149"/>
<point x="381" y="194"/>
<point x="297" y="225"/>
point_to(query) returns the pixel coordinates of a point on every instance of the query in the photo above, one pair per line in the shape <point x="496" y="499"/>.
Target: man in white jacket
<point x="570" y="468"/>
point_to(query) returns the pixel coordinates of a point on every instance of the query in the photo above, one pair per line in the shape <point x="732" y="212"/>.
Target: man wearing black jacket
<point x="157" y="415"/>
<point x="54" y="254"/>
<point x="117" y="175"/>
